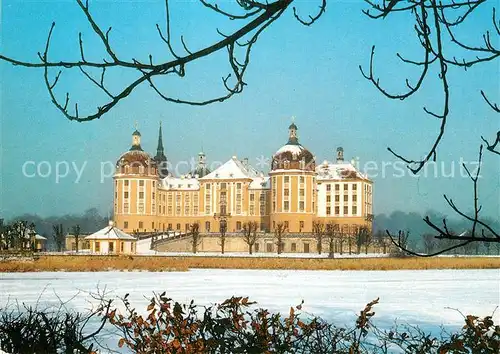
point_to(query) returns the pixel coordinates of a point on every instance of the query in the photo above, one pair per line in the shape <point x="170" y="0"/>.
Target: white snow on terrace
<point x="333" y="171"/>
<point x="260" y="183"/>
<point x="294" y="149"/>
<point x="111" y="233"/>
<point x="183" y="183"/>
<point x="232" y="169"/>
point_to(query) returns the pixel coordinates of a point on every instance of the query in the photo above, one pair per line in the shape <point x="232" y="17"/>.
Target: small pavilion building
<point x="111" y="240"/>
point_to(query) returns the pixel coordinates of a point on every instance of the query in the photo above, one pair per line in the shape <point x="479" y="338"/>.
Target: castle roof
<point x="232" y="169"/>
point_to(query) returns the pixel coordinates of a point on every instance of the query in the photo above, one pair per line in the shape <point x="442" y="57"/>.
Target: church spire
<point x="159" y="149"/>
<point x="160" y="158"/>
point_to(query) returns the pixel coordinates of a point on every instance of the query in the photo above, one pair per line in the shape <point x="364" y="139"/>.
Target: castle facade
<point x="294" y="193"/>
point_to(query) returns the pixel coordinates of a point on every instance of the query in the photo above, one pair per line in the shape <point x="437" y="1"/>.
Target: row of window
<point x="354" y="210"/>
<point x="337" y="186"/>
<point x="346" y="198"/>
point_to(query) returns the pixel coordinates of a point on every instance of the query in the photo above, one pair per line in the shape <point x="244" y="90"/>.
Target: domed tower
<point x="135" y="182"/>
<point x="292" y="185"/>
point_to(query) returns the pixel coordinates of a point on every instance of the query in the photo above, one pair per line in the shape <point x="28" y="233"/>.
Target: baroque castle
<point x="296" y="192"/>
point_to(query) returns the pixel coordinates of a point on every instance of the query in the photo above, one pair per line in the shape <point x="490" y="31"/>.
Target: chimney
<point x="340" y="154"/>
<point x="245" y="162"/>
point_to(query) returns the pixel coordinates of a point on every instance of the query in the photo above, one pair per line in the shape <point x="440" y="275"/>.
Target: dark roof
<point x="136" y="132"/>
<point x="293" y="126"/>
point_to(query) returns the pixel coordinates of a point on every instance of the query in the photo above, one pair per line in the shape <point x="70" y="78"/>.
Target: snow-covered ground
<point x="426" y="298"/>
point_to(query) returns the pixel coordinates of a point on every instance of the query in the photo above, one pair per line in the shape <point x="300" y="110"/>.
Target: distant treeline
<point x="90" y="221"/>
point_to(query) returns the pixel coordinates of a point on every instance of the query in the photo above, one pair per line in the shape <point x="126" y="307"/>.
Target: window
<point x="301" y="192"/>
<point x="178" y="226"/>
<point x="306" y="248"/>
<point x="153" y="225"/>
<point x="354" y="197"/>
<point x="337" y="211"/>
<point x="256" y="247"/>
<point x="238" y="225"/>
<point x="328" y="187"/>
<point x="141" y="183"/>
<point x="125" y="224"/>
<point x="354" y="210"/>
<point x="125" y="183"/>
<point x="122" y="246"/>
<point x="141" y="225"/>
<point x="269" y="247"/>
<point x="328" y="199"/>
<point x="252" y="209"/>
<point x="262" y="209"/>
<point x="141" y="195"/>
<point x="301" y="223"/>
<point x="153" y="197"/>
<point x="346" y="210"/>
<point x="207" y="226"/>
<point x="287" y="192"/>
<point x="287" y="179"/>
<point x="97" y="246"/>
<point x="337" y="198"/>
<point x="125" y="208"/>
<point x="125" y="195"/>
<point x="346" y="187"/>
<point x="286" y="225"/>
<point x="293" y="247"/>
<point x="301" y="179"/>
<point x="169" y="226"/>
<point x="111" y="247"/>
<point x="328" y="210"/>
<point x="346" y="197"/>
<point x="252" y="197"/>
<point x="238" y="185"/>
<point x="286" y="205"/>
<point x="223" y="185"/>
<point x="354" y="187"/>
<point x="301" y="206"/>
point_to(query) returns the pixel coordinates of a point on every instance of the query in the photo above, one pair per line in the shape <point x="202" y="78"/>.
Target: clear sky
<point x="307" y="72"/>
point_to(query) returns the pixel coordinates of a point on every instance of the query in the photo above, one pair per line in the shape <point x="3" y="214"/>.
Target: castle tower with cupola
<point x="292" y="185"/>
<point x="135" y="183"/>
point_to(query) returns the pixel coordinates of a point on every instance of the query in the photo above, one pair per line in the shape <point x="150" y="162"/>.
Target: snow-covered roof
<point x="39" y="237"/>
<point x="232" y="169"/>
<point x="294" y="149"/>
<point x="260" y="183"/>
<point x="336" y="171"/>
<point x="184" y="183"/>
<point x="110" y="232"/>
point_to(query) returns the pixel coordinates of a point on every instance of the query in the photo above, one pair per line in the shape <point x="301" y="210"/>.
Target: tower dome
<point x="136" y="160"/>
<point x="292" y="155"/>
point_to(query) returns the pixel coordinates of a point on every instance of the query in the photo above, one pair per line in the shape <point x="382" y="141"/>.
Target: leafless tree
<point x="59" y="238"/>
<point x="254" y="17"/>
<point x="76" y="233"/>
<point x="340" y="238"/>
<point x="438" y="27"/>
<point x="332" y="233"/>
<point x="194" y="230"/>
<point x="222" y="235"/>
<point x="279" y="232"/>
<point x="429" y="243"/>
<point x="362" y="237"/>
<point x="249" y="229"/>
<point x="319" y="233"/>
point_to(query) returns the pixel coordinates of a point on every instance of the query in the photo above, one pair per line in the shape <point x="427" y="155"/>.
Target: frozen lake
<point x="426" y="298"/>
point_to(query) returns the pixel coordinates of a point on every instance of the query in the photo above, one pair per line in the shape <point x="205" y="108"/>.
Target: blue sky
<point x="307" y="72"/>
